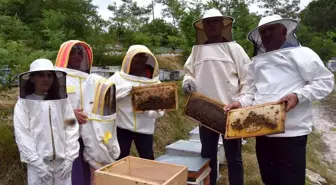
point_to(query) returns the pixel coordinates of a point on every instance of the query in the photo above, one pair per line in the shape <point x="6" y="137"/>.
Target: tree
<point x="193" y="12"/>
<point x="174" y="9"/>
<point x="320" y="15"/>
<point x="284" y="8"/>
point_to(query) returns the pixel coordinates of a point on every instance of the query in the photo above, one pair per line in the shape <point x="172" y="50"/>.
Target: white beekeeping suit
<point x="75" y="77"/>
<point x="126" y="118"/>
<point x="99" y="134"/>
<point x="46" y="130"/>
<point x="290" y="69"/>
<point x="217" y="70"/>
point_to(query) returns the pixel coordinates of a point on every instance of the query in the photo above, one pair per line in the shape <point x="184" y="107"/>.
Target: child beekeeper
<point x="99" y="133"/>
<point x="46" y="130"/>
<point x="139" y="68"/>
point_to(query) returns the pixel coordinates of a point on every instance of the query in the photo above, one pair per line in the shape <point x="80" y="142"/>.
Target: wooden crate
<point x="155" y="97"/>
<point x="206" y="111"/>
<point x="265" y="119"/>
<point x="204" y="179"/>
<point x="137" y="171"/>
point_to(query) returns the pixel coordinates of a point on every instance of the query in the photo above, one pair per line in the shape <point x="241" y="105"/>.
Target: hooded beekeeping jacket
<point x="290" y="69"/>
<point x="75" y="78"/>
<point x="126" y="118"/>
<point x="45" y="129"/>
<point x="218" y="70"/>
<point x="99" y="134"/>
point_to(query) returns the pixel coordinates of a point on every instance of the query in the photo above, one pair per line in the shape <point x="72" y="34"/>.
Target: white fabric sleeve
<point x="189" y="70"/>
<point x="23" y="137"/>
<point x="242" y="61"/>
<point x="320" y="81"/>
<point x="115" y="144"/>
<point x="122" y="90"/>
<point x="246" y="99"/>
<point x="71" y="134"/>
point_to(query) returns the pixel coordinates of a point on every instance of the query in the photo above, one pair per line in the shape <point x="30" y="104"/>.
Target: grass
<point x="170" y="128"/>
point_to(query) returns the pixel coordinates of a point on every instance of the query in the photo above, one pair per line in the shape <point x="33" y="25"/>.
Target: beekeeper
<point x="283" y="70"/>
<point x="46" y="130"/>
<point x="100" y="133"/>
<point x="217" y="67"/>
<point x="75" y="58"/>
<point x="139" y="68"/>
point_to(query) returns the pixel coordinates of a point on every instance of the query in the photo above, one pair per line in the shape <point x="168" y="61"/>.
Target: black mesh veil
<point x="56" y="91"/>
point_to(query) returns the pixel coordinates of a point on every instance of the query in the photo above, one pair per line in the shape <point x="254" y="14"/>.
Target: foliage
<point x="36" y="28"/>
<point x="320" y="15"/>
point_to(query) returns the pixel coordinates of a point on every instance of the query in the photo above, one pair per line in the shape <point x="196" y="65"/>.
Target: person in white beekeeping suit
<point x="282" y="70"/>
<point x="75" y="58"/>
<point x="217" y="67"/>
<point x="139" y="68"/>
<point x="46" y="130"/>
<point x="100" y="133"/>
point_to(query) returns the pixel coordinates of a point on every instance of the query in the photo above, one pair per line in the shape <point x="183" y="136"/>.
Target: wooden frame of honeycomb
<point x="161" y="96"/>
<point x="206" y="111"/>
<point x="260" y="120"/>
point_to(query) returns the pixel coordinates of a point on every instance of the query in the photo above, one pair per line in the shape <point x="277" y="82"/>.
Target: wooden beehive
<point x="196" y="165"/>
<point x="206" y="111"/>
<point x="155" y="97"/>
<point x="137" y="171"/>
<point x="260" y="120"/>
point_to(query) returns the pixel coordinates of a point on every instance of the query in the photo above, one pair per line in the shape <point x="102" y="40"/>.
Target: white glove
<point x="189" y="86"/>
<point x="95" y="165"/>
<point x="153" y="114"/>
<point x="66" y="168"/>
<point x="42" y="170"/>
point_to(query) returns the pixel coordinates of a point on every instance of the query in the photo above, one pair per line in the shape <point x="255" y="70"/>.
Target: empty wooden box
<point x="265" y="119"/>
<point x="137" y="171"/>
<point x="155" y="97"/>
<point x="206" y="111"/>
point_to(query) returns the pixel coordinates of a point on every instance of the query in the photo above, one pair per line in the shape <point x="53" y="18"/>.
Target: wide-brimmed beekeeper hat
<point x="290" y="24"/>
<point x="201" y="37"/>
<point x="40" y="65"/>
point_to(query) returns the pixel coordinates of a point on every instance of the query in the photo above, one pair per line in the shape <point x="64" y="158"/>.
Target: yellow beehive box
<point x="137" y="171"/>
<point x="155" y="97"/>
<point x="206" y="111"/>
<point x="260" y="120"/>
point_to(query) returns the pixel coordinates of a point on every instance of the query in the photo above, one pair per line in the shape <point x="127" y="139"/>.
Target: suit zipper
<point x="52" y="135"/>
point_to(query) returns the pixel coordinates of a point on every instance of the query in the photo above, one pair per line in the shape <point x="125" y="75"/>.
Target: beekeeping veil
<point x="58" y="88"/>
<point x="290" y="24"/>
<point x="140" y="49"/>
<point x="99" y="134"/>
<point x="201" y="37"/>
<point x="75" y="46"/>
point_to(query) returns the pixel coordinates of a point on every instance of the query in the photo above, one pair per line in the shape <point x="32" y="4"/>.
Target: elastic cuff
<point x="299" y="96"/>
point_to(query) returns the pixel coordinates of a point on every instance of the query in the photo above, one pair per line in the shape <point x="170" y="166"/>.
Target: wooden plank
<point x="259" y="120"/>
<point x="155" y="97"/>
<point x="120" y="167"/>
<point x="152" y="170"/>
<point x="206" y="111"/>
<point x="133" y="170"/>
<point x="104" y="178"/>
<point x="180" y="178"/>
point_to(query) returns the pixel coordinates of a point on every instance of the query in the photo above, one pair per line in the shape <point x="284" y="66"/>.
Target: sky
<point x="105" y="13"/>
